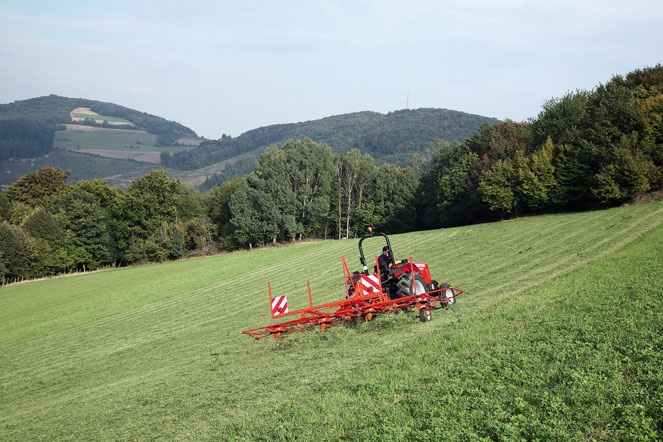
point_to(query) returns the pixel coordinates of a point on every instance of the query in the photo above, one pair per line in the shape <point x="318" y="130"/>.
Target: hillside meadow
<point x="557" y="337"/>
<point x="85" y="137"/>
<point x="73" y="139"/>
<point x="136" y="145"/>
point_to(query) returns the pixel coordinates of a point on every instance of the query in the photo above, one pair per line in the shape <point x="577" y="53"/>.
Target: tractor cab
<point x="384" y="271"/>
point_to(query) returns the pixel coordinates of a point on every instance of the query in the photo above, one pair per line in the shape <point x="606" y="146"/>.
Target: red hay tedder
<point x="397" y="287"/>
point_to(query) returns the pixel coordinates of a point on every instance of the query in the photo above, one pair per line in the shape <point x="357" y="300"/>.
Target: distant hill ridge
<point x="27" y="127"/>
<point x="389" y="138"/>
<point x="54" y="109"/>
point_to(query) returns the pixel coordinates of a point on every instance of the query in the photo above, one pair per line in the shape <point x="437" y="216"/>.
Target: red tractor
<point x="397" y="278"/>
<point x="393" y="287"/>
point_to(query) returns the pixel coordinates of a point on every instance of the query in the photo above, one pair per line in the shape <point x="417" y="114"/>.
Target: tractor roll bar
<point x="361" y="250"/>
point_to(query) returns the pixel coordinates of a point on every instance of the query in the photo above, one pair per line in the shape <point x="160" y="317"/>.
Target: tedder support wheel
<point x="405" y="288"/>
<point x="424" y="313"/>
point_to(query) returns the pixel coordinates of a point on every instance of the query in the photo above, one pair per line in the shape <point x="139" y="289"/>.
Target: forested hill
<point x="389" y="138"/>
<point x="27" y="127"/>
<point x="55" y="109"/>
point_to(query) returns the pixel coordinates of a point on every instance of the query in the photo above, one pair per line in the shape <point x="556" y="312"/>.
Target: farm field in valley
<point x="557" y="337"/>
<point x="138" y="145"/>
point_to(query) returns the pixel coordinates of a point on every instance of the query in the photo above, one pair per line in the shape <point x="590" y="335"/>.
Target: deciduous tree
<point x="86" y="227"/>
<point x="39" y="188"/>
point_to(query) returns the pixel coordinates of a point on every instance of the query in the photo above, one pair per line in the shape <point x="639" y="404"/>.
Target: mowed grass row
<point x="155" y="351"/>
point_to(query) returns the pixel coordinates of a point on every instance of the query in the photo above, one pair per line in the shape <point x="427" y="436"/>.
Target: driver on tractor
<point x="384" y="261"/>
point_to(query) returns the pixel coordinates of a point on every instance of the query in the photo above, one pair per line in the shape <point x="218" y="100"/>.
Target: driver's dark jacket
<point x="384" y="261"/>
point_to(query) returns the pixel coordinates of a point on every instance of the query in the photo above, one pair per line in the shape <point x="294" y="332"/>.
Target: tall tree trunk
<point x="339" y="214"/>
<point x="340" y="196"/>
<point x="347" y="216"/>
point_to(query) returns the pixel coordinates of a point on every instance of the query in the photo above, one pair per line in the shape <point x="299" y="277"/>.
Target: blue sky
<point x="227" y="67"/>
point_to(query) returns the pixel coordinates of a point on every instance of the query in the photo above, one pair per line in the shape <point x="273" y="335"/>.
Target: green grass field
<point x="107" y="139"/>
<point x="556" y="338"/>
<point x="120" y="140"/>
<point x="102" y="118"/>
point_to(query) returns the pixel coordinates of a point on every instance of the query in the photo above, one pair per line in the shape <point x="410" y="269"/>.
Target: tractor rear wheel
<point x="404" y="286"/>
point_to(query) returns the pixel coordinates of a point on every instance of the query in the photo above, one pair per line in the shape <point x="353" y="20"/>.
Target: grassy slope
<point x="557" y="337"/>
<point x="113" y="140"/>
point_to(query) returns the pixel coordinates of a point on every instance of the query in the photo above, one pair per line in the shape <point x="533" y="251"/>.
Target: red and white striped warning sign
<point x="370" y="284"/>
<point x="279" y="305"/>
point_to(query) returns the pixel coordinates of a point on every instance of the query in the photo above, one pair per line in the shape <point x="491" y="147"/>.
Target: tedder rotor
<point x="393" y="287"/>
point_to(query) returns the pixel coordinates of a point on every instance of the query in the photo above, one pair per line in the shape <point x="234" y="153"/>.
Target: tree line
<point x="588" y="149"/>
